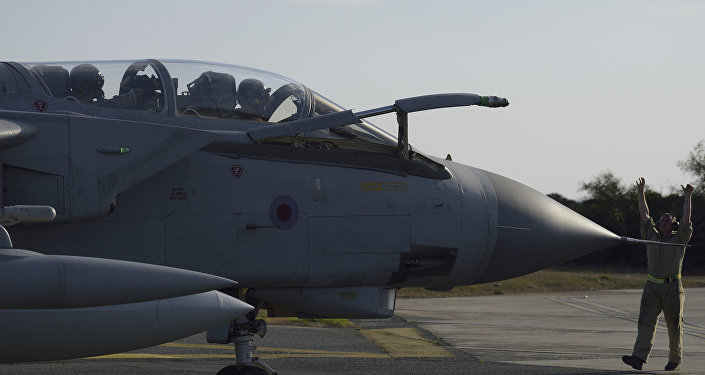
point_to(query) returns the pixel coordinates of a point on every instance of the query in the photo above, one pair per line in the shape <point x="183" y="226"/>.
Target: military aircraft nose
<point x="532" y="231"/>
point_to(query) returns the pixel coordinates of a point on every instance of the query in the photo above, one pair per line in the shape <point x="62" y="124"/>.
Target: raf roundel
<point x="284" y="212"/>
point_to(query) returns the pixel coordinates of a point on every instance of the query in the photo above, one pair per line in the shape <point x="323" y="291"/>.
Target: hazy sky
<point x="593" y="85"/>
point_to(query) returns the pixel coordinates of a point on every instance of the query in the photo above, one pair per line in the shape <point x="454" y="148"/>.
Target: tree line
<point x="613" y="204"/>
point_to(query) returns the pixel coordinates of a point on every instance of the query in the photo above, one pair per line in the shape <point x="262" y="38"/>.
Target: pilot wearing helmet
<point x="137" y="92"/>
<point x="86" y="84"/>
<point x="253" y="96"/>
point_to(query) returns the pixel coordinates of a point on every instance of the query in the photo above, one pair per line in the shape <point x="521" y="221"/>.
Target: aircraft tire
<point x="244" y="370"/>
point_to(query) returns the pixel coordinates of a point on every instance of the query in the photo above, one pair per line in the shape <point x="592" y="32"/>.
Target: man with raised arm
<point x="663" y="289"/>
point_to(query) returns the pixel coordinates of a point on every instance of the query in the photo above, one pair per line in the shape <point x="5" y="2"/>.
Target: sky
<point x="594" y="86"/>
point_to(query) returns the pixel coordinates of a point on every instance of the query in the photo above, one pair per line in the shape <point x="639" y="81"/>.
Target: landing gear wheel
<point x="242" y="370"/>
<point x="240" y="333"/>
<point x="229" y="370"/>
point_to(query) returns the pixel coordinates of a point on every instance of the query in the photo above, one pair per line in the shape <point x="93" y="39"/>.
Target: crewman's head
<point x="253" y="95"/>
<point x="665" y="224"/>
<point x="87" y="80"/>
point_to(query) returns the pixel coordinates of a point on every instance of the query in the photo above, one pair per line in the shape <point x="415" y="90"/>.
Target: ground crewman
<point x="663" y="289"/>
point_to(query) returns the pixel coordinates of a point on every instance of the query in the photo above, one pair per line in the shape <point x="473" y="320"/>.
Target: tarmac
<point x="588" y="330"/>
<point x="556" y="333"/>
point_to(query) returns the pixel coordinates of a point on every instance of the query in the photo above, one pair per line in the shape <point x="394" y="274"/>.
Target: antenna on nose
<point x="634" y="241"/>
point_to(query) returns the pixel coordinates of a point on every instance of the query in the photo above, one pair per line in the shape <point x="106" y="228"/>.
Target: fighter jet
<point x="175" y="171"/>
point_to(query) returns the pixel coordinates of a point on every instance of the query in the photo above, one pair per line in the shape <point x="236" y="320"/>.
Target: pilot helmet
<point x="253" y="92"/>
<point x="87" y="80"/>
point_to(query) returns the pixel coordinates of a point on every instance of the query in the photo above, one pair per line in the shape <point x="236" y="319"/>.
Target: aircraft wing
<point x="60" y="307"/>
<point x="73" y="152"/>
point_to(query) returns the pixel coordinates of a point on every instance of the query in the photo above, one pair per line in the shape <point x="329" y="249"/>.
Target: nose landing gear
<point x="241" y="332"/>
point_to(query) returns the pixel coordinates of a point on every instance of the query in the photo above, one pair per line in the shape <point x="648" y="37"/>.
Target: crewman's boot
<point x="633" y="361"/>
<point x="671" y="366"/>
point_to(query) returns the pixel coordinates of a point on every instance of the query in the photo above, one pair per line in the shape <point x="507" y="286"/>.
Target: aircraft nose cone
<point x="534" y="232"/>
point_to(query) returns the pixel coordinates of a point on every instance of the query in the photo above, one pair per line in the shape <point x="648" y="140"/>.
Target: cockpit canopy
<point x="228" y="91"/>
<point x="114" y="84"/>
<point x="199" y="89"/>
<point x="195" y="89"/>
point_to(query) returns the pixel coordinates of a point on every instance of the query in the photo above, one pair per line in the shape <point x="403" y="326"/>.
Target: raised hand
<point x="640" y="183"/>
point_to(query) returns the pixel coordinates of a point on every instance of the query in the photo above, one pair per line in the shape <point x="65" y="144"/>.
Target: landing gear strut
<point x="241" y="332"/>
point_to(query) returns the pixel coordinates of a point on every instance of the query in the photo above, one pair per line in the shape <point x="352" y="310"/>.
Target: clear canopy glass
<point x="200" y="90"/>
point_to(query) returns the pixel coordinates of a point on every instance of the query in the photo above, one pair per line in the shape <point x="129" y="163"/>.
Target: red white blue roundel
<point x="284" y="212"/>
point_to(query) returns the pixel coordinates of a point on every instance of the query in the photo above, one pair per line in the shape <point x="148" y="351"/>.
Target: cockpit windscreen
<point x="205" y="90"/>
<point x="362" y="132"/>
<point x="229" y="91"/>
<point x="114" y="84"/>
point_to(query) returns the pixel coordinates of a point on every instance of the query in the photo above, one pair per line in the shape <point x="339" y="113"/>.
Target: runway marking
<point x="259" y="348"/>
<point x="326" y="355"/>
<point x="404" y="343"/>
<point x="197" y="346"/>
<point x="161" y="356"/>
<point x="271" y="353"/>
<point x="396" y="342"/>
<point x="600" y="309"/>
<point x="263" y="349"/>
<point x="331" y="354"/>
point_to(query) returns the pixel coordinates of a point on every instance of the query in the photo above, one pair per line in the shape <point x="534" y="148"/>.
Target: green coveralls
<point x="664" y="262"/>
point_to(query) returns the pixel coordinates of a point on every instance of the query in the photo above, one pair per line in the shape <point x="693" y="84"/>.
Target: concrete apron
<point x="590" y="329"/>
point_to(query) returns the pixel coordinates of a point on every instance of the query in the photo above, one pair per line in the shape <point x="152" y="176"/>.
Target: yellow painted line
<point x="332" y="354"/>
<point x="161" y="356"/>
<point x="270" y="353"/>
<point x="405" y="343"/>
<point x="259" y="349"/>
<point x="396" y="342"/>
<point x="308" y="351"/>
<point x="329" y="355"/>
<point x="197" y="346"/>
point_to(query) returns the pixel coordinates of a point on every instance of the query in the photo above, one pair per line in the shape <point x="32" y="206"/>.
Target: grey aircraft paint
<point x="311" y="209"/>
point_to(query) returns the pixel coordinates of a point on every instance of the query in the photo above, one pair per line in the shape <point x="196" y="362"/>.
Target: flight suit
<point x="663" y="291"/>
